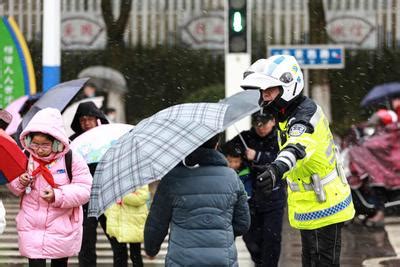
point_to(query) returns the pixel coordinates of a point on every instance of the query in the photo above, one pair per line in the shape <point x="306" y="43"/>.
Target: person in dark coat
<point x="204" y="204"/>
<point x="263" y="240"/>
<point x="87" y="116"/>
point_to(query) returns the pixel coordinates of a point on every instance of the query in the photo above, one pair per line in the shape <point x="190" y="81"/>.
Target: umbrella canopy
<point x="14" y="108"/>
<point x="381" y="93"/>
<point x="160" y="142"/>
<point x="57" y="97"/>
<point x="93" y="144"/>
<point x="69" y="112"/>
<point x="13" y="161"/>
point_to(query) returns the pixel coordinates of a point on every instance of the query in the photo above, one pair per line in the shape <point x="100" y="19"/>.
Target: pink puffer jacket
<point x="52" y="230"/>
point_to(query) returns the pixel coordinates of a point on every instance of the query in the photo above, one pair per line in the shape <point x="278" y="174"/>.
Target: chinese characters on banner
<point x="7" y="73"/>
<point x="82" y="32"/>
<point x="204" y="31"/>
<point x="16" y="70"/>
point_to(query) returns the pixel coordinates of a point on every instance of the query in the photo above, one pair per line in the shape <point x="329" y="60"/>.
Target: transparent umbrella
<point x="93" y="144"/>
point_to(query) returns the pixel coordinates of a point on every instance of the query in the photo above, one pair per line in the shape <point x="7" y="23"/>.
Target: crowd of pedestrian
<point x="206" y="201"/>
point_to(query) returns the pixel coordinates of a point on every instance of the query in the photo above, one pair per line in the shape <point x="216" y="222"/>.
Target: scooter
<point x="363" y="193"/>
<point x="364" y="201"/>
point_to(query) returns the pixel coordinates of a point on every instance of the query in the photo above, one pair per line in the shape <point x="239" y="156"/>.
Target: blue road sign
<point x="313" y="56"/>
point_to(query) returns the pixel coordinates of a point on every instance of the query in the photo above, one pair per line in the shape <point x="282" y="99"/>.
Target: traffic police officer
<point x="319" y="197"/>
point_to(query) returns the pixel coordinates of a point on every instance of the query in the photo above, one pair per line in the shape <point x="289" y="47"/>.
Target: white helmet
<point x="279" y="70"/>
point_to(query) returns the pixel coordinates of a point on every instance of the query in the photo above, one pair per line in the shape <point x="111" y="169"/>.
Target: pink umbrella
<point x="14" y="108"/>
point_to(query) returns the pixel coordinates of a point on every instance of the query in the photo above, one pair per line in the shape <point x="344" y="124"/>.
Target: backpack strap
<point x="68" y="164"/>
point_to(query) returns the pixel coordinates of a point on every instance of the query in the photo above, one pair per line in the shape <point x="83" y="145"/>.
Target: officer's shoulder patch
<point x="297" y="129"/>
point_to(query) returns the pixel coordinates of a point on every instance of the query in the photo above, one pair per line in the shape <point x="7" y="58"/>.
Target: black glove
<point x="266" y="178"/>
<point x="258" y="169"/>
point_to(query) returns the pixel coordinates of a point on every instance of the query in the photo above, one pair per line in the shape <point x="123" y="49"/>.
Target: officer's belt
<point x="309" y="187"/>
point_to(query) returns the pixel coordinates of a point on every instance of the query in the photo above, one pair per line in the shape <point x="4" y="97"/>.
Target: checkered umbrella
<point x="160" y="142"/>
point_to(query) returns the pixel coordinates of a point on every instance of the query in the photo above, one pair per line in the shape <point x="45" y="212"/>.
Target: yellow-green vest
<point x="125" y="220"/>
<point x="305" y="211"/>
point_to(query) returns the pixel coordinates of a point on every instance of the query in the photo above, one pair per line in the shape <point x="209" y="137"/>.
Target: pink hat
<point x="5" y="116"/>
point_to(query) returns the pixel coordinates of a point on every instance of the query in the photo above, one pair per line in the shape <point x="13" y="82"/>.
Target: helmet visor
<point x="260" y="81"/>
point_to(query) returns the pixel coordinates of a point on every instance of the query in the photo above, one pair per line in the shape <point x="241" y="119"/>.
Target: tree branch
<point x="106" y="11"/>
<point x="125" y="11"/>
<point x="318" y="34"/>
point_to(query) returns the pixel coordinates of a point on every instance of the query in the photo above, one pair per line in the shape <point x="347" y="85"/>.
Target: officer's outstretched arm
<point x="288" y="157"/>
<point x="285" y="161"/>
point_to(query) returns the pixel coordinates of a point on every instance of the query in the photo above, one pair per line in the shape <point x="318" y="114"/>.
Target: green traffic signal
<point x="237" y="26"/>
<point x="237" y="22"/>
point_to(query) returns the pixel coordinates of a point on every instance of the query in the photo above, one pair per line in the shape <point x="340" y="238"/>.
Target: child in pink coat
<point x="49" y="222"/>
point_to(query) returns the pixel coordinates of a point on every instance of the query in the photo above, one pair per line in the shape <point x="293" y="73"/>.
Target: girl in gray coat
<point x="205" y="205"/>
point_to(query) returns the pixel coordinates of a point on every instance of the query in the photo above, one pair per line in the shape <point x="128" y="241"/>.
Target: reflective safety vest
<point x="306" y="208"/>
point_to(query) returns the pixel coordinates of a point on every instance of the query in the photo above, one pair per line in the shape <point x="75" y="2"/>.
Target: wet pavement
<point x="361" y="246"/>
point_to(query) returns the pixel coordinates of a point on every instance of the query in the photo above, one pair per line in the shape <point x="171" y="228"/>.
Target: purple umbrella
<point x="381" y="93"/>
<point x="57" y="97"/>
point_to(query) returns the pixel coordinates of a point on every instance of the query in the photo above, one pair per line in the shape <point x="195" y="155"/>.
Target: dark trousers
<point x="120" y="252"/>
<point x="321" y="247"/>
<point x="62" y="262"/>
<point x="263" y="240"/>
<point x="87" y="256"/>
<point x="379" y="197"/>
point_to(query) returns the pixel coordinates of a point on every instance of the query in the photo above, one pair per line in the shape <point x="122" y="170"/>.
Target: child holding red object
<point x="49" y="222"/>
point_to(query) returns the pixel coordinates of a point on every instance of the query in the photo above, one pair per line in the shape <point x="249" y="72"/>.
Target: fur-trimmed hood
<point x="48" y="121"/>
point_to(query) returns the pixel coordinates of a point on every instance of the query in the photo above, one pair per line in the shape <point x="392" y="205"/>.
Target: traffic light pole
<point x="237" y="53"/>
<point x="235" y="65"/>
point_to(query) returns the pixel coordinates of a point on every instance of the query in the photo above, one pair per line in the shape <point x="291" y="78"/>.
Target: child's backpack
<point x="68" y="162"/>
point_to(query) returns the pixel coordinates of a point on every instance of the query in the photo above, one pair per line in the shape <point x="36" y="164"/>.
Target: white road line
<point x="392" y="227"/>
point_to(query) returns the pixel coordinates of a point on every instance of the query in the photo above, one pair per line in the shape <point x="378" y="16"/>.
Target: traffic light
<point x="237" y="26"/>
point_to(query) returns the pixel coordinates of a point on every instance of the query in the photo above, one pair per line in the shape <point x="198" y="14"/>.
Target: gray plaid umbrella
<point x="157" y="144"/>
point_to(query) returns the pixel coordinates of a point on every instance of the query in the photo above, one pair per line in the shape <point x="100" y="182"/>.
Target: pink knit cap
<point x="5" y="116"/>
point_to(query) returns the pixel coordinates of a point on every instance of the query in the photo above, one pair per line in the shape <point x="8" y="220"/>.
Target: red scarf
<point x="44" y="171"/>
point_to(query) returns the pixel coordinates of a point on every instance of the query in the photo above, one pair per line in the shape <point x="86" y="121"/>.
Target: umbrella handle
<point x="241" y="138"/>
<point x="190" y="167"/>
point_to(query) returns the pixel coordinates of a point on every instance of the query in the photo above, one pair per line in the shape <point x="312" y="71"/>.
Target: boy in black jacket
<point x="263" y="240"/>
